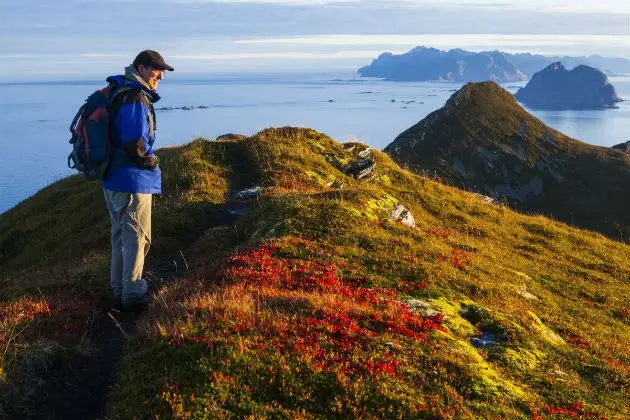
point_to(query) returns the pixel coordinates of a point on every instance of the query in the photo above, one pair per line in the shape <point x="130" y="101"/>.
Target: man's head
<point x="151" y="66"/>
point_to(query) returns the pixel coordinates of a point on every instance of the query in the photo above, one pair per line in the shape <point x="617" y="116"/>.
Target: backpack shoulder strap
<point x="115" y="91"/>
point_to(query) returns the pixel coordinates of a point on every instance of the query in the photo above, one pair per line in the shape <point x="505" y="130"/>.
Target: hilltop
<point x="482" y="140"/>
<point x="555" y="87"/>
<point x="308" y="298"/>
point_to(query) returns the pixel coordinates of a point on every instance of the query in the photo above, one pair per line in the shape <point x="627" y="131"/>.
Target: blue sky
<point x="77" y="39"/>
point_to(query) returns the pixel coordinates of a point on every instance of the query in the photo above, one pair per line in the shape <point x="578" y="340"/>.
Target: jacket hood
<point x="131" y="81"/>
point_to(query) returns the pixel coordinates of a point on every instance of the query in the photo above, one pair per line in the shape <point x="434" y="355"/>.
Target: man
<point x="133" y="175"/>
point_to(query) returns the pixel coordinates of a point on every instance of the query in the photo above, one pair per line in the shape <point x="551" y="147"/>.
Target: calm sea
<point x="34" y="117"/>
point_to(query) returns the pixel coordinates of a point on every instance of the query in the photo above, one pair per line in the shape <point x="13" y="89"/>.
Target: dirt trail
<point x="79" y="388"/>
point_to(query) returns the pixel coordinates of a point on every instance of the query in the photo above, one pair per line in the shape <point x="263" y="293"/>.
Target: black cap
<point x="153" y="59"/>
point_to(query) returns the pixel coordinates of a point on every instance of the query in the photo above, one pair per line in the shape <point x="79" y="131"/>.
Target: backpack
<point x="90" y="137"/>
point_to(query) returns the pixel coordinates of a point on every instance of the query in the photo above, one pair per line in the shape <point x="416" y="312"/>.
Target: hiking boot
<point x="136" y="304"/>
<point x="116" y="303"/>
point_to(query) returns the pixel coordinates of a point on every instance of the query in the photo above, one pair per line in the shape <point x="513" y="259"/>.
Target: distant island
<point x="556" y="87"/>
<point x="457" y="65"/>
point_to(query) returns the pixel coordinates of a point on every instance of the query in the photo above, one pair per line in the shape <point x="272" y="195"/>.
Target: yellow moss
<point x="518" y="273"/>
<point x="454" y="321"/>
<point x="384" y="179"/>
<point x="319" y="179"/>
<point x="318" y="147"/>
<point x="375" y="208"/>
<point x="543" y="331"/>
<point x="352" y="210"/>
<point x="487" y="380"/>
<point x="345" y="161"/>
<point x="522" y="359"/>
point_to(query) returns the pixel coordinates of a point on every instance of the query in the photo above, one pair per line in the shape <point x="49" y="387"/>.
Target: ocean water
<point x="34" y="117"/>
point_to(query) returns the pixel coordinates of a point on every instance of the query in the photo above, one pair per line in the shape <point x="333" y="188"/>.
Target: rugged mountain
<point x="482" y="140"/>
<point x="428" y="64"/>
<point x="556" y="87"/>
<point x="421" y="64"/>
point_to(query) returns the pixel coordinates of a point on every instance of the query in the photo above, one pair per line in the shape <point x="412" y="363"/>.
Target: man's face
<point x="151" y="76"/>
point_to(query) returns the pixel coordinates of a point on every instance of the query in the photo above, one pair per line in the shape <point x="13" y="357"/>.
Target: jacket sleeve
<point x="133" y="127"/>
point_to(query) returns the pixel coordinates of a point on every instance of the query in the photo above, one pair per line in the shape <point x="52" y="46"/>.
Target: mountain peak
<point x="484" y="141"/>
<point x="556" y="66"/>
<point x="486" y="92"/>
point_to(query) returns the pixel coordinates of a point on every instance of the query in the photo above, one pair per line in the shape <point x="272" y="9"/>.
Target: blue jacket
<point x="133" y="167"/>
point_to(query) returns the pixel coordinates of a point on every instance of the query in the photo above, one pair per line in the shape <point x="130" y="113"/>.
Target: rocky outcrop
<point x="558" y="88"/>
<point x="231" y="137"/>
<point x="402" y="215"/>
<point x="248" y="194"/>
<point x="363" y="165"/>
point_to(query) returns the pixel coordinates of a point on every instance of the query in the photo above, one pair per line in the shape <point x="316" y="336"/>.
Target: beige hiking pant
<point x="130" y="214"/>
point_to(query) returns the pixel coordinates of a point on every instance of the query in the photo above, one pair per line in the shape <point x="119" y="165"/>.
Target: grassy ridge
<point x="315" y="305"/>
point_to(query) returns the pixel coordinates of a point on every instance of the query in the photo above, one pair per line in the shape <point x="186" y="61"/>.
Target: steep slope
<point x="482" y="140"/>
<point x="314" y="304"/>
<point x="557" y="88"/>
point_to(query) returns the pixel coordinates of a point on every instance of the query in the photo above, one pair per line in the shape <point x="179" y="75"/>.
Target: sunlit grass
<point x="315" y="305"/>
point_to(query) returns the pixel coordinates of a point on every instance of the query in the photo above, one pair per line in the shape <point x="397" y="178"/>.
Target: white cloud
<point x="531" y="43"/>
<point x="562" y="6"/>
<point x="284" y="55"/>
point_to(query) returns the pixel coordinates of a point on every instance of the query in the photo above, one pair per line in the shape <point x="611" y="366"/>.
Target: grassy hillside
<point x="482" y="140"/>
<point x="313" y="304"/>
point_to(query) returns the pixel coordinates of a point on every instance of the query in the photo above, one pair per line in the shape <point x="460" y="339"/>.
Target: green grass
<point x="315" y="305"/>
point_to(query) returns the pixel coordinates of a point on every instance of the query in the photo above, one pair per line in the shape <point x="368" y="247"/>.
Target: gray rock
<point x="423" y="308"/>
<point x="248" y="193"/>
<point x="365" y="153"/>
<point x="418" y="304"/>
<point x="522" y="291"/>
<point x="485" y="340"/>
<point x="361" y="168"/>
<point x="401" y="214"/>
<point x="485" y="198"/>
<point x="231" y="136"/>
